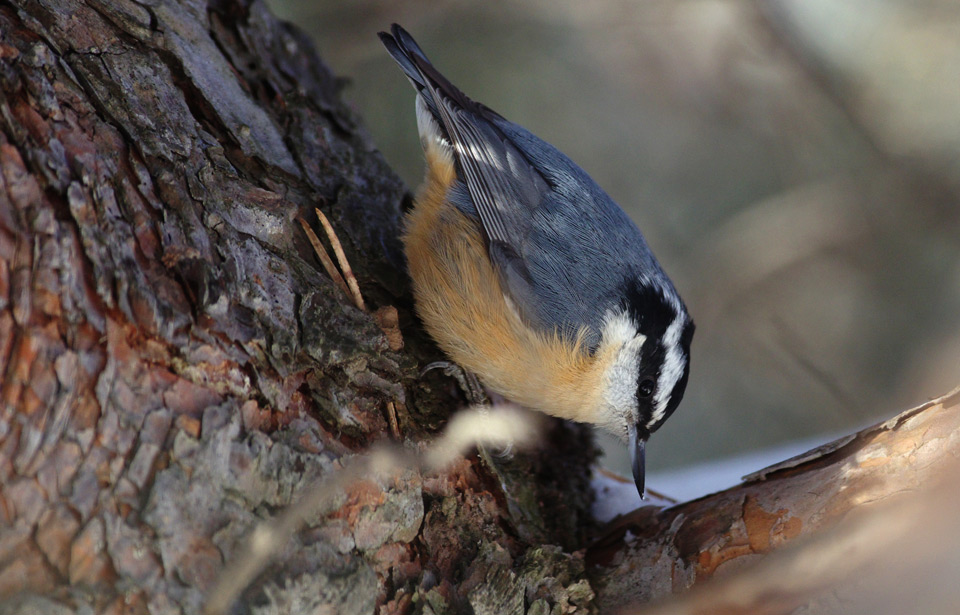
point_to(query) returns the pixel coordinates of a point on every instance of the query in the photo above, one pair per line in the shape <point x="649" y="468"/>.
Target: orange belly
<point x="460" y="301"/>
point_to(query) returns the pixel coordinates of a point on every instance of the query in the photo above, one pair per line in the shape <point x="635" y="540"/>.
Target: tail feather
<point x="418" y="68"/>
<point x="407" y="42"/>
<point x="402" y="58"/>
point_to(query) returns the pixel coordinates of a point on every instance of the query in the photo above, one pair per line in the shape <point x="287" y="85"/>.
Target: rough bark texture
<point x="176" y="367"/>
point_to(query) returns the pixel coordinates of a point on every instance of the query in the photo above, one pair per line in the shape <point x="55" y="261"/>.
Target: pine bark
<point x="177" y="367"/>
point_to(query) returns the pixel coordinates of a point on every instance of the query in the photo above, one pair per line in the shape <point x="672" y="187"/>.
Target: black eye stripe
<point x="651" y="360"/>
<point x="654" y="308"/>
<point x="653" y="313"/>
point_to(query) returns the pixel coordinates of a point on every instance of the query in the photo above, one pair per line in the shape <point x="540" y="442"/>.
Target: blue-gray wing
<point x="564" y="250"/>
<point x="500" y="182"/>
<point x="580" y="250"/>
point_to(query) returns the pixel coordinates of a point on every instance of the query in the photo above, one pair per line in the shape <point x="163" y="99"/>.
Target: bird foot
<point x="467" y="381"/>
<point x="474" y="392"/>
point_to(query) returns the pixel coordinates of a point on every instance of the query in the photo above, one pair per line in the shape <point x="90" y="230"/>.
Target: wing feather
<point x="564" y="250"/>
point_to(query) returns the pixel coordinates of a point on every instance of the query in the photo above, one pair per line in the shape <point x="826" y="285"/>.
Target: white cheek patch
<point x="620" y="390"/>
<point x="671" y="370"/>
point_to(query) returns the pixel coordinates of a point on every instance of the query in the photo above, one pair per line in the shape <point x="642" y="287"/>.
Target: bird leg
<point x="467" y="381"/>
<point x="474" y="392"/>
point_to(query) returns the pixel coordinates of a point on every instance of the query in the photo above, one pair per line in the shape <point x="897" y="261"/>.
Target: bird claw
<point x="505" y="453"/>
<point x="473" y="390"/>
<point x="467" y="381"/>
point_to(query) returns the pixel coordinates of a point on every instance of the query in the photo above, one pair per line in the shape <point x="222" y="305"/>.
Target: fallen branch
<point x="653" y="553"/>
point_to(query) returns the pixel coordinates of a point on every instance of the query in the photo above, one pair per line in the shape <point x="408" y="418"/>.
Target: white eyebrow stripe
<point x="672" y="368"/>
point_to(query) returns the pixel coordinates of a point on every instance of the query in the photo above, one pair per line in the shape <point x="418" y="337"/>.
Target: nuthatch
<point x="528" y="275"/>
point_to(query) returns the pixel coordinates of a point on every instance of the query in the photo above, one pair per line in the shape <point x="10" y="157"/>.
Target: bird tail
<point x="420" y="71"/>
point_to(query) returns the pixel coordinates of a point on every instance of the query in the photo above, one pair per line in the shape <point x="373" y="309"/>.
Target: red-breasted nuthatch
<point x="527" y="274"/>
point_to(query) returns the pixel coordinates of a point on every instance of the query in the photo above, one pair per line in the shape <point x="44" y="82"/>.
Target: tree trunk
<point x="176" y="367"/>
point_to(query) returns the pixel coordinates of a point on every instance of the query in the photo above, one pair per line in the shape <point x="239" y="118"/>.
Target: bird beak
<point x="638" y="460"/>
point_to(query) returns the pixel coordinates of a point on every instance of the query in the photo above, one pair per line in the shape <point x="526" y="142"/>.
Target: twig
<point x="392" y="420"/>
<point x="342" y="260"/>
<point x="321" y="253"/>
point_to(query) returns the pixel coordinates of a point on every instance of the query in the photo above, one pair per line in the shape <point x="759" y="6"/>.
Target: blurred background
<point x="794" y="164"/>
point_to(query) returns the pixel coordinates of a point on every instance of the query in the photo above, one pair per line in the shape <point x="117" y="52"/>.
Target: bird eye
<point x="646" y="388"/>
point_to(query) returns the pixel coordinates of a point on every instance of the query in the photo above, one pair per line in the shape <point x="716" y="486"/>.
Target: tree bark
<point x="860" y="479"/>
<point x="175" y="365"/>
<point x="176" y="369"/>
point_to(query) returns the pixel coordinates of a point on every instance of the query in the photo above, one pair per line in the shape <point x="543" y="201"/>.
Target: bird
<point x="528" y="275"/>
